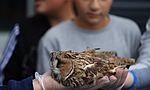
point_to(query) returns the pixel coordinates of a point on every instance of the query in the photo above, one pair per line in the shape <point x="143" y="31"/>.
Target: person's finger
<point x="124" y="76"/>
<point x="113" y="78"/>
<point x="104" y="82"/>
<point x="118" y="75"/>
<point x="121" y="76"/>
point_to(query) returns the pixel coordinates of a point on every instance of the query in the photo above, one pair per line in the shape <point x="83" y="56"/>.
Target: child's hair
<point x="74" y="7"/>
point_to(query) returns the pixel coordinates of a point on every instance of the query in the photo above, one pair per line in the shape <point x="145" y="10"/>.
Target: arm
<point x="36" y="85"/>
<point x="142" y="66"/>
<point x="139" y="75"/>
<point x="25" y="84"/>
<point x="15" y="60"/>
<point x="29" y="84"/>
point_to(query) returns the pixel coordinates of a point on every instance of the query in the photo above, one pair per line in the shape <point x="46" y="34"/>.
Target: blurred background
<point x="12" y="11"/>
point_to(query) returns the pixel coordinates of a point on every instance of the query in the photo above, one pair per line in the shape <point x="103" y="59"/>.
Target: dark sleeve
<point x="3" y="88"/>
<point x="22" y="63"/>
<point x="25" y="84"/>
<point x="13" y="69"/>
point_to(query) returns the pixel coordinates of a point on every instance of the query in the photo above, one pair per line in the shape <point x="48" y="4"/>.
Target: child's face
<point x="48" y="6"/>
<point x="93" y="11"/>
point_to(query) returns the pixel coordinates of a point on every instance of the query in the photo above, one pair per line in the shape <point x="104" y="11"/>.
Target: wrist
<point x="130" y="80"/>
<point x="36" y="85"/>
<point x="39" y="78"/>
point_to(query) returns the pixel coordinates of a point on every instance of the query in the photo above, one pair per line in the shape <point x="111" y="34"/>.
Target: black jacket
<point x="23" y="61"/>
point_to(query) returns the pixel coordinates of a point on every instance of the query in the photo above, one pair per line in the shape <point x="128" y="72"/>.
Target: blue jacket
<point x="25" y="84"/>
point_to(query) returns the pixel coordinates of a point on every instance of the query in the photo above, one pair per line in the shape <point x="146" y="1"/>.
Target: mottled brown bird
<point x="73" y="69"/>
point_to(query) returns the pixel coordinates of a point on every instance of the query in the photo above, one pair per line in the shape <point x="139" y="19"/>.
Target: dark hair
<point x="74" y="7"/>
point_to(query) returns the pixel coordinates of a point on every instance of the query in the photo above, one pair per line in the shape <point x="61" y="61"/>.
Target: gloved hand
<point x="121" y="76"/>
<point x="117" y="81"/>
<point x="47" y="83"/>
<point x="107" y="83"/>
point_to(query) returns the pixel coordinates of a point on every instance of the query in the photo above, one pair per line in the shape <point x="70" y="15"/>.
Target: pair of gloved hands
<point x="115" y="82"/>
